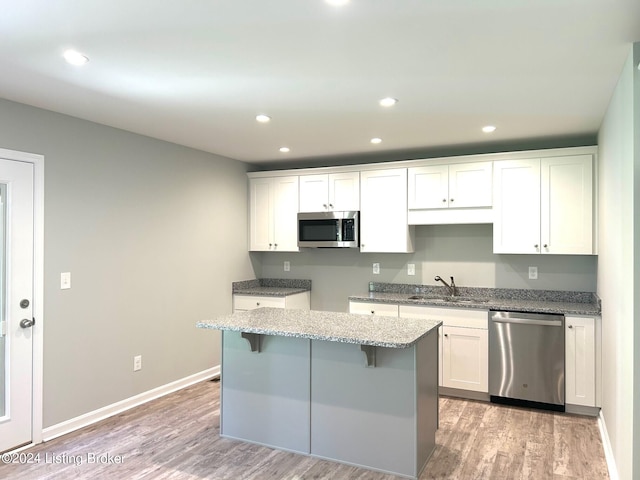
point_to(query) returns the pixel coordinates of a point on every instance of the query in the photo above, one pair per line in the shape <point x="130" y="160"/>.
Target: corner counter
<point x="352" y="388"/>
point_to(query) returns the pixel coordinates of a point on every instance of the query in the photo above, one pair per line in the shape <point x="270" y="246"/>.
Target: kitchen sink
<point x="448" y="299"/>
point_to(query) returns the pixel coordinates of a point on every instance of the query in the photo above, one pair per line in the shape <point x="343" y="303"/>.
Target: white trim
<point x="38" y="284"/>
<point x="90" y="418"/>
<point x="482" y="157"/>
<point x="608" y="451"/>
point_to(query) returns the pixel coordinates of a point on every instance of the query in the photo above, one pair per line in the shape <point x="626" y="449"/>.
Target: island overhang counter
<point x="352" y="388"/>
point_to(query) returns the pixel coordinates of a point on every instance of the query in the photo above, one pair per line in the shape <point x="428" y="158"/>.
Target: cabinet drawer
<point x="366" y="308"/>
<point x="450" y="317"/>
<point x="250" y="302"/>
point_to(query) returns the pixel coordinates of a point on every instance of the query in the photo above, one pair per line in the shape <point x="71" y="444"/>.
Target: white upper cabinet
<point x="273" y="205"/>
<point x="543" y="205"/>
<point x="566" y="205"/>
<point x="383" y="212"/>
<point x="462" y="185"/>
<point x="330" y="192"/>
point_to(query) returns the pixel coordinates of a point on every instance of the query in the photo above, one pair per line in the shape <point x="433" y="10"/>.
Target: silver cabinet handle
<point x="545" y="245"/>
<point x="451" y="200"/>
<point x="536" y="245"/>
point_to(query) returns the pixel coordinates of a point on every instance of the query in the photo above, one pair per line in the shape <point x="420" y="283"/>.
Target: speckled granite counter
<point x="330" y="326"/>
<point x="271" y="287"/>
<point x="504" y="299"/>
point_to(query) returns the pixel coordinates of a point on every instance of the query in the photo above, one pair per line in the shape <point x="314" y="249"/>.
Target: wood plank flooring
<point x="176" y="437"/>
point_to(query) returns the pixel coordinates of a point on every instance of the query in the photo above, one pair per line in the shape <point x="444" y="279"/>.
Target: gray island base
<point x="356" y="389"/>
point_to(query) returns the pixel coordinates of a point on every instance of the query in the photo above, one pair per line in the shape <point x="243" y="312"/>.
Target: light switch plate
<point x="65" y="280"/>
<point x="411" y="269"/>
<point x="137" y="363"/>
<point x="376" y="268"/>
<point x="533" y="273"/>
<point x="287" y="266"/>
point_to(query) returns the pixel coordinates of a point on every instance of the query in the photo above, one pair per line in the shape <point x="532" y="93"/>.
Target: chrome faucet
<point x="451" y="288"/>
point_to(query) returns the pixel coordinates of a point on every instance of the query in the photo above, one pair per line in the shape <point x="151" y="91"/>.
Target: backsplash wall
<point x="462" y="251"/>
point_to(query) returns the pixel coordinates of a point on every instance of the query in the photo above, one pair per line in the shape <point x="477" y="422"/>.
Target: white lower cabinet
<point x="464" y="345"/>
<point x="250" y="302"/>
<point x="580" y="361"/>
<point x="465" y="358"/>
<point x="373" y="308"/>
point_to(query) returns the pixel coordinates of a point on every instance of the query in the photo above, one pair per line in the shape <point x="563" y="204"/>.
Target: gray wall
<point x="464" y="251"/>
<point x="153" y="235"/>
<point x="618" y="273"/>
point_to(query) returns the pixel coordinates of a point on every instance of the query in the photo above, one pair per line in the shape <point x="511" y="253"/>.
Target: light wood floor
<point x="176" y="437"/>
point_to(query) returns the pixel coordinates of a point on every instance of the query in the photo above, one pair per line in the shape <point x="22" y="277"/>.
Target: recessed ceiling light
<point x="376" y="140"/>
<point x="285" y="149"/>
<point x="74" y="57"/>
<point x="388" y="102"/>
<point x="489" y="129"/>
<point x="337" y="3"/>
<point x="263" y="118"/>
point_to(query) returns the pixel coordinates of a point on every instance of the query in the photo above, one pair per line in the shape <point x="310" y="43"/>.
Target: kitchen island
<point x="356" y="389"/>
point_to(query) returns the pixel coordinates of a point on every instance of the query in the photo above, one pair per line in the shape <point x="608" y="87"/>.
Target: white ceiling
<point x="196" y="72"/>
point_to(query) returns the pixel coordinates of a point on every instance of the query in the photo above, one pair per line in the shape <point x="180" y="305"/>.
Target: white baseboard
<point x="89" y="418"/>
<point x="608" y="451"/>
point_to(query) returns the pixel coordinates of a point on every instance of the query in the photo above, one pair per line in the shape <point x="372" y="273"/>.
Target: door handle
<point x="26" y="323"/>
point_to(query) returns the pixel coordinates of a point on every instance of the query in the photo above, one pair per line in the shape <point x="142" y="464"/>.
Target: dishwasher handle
<point x="528" y="319"/>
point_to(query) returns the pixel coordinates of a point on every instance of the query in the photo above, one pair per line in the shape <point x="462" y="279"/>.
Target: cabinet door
<point x="344" y="191"/>
<point x="383" y="212"/>
<point x="465" y="359"/>
<point x="566" y="205"/>
<point x="285" y="214"/>
<point x="428" y="187"/>
<point x="516" y="206"/>
<point x="313" y="193"/>
<point x="372" y="308"/>
<point x="260" y="214"/>
<point x="580" y="361"/>
<point x="470" y="185"/>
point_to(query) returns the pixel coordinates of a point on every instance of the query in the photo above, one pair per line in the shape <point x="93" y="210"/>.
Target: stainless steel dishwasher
<point x="526" y="359"/>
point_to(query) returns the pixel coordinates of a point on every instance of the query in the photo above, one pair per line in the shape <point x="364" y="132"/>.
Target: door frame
<point x="38" y="285"/>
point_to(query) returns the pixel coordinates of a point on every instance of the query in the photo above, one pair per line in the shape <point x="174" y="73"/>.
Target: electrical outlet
<point x="65" y="280"/>
<point x="137" y="363"/>
<point x="287" y="265"/>
<point x="533" y="273"/>
<point x="411" y="269"/>
<point x="376" y="268"/>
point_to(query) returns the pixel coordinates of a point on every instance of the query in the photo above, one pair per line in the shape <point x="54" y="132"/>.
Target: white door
<point x="567" y="205"/>
<point x="383" y="212"/>
<point x="516" y="206"/>
<point x="313" y="193"/>
<point x="429" y="187"/>
<point x="16" y="302"/>
<point x="344" y="191"/>
<point x="470" y="185"/>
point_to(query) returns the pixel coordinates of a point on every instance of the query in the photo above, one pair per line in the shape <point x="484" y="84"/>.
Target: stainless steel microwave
<point x="329" y="229"/>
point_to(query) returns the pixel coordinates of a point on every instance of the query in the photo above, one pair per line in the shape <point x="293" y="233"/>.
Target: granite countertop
<point x="536" y="301"/>
<point x="378" y="331"/>
<point x="271" y="287"/>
